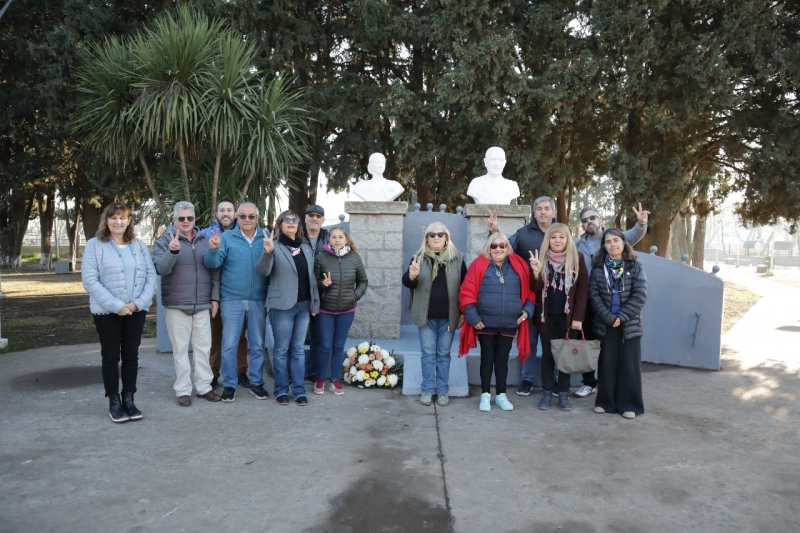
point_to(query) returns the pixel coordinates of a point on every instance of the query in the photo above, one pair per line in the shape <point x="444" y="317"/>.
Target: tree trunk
<point x="151" y="184"/>
<point x="15" y="222"/>
<point x="561" y="207"/>
<point x="657" y="235"/>
<point x="215" y="186"/>
<point x="246" y="186"/>
<point x="72" y="231"/>
<point x="91" y="219"/>
<point x="47" y="212"/>
<point x="699" y="242"/>
<point x="313" y="185"/>
<point x="184" y="175"/>
<point x="298" y="190"/>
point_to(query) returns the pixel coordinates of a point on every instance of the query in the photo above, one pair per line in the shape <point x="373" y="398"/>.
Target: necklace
<point x="499" y="273"/>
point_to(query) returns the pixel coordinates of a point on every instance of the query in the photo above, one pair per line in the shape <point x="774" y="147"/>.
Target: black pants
<point x="556" y="329"/>
<point x="588" y="329"/>
<point x="620" y="373"/>
<point x="494" y="356"/>
<point x="120" y="335"/>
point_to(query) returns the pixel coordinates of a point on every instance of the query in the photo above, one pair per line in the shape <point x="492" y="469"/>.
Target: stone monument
<point x="493" y="188"/>
<point x="378" y="188"/>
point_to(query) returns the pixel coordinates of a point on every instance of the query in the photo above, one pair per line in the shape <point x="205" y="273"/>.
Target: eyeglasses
<point x="587" y="219"/>
<point x="290" y="220"/>
<point x="185" y="219"/>
<point x="247" y="217"/>
<point x="313" y="215"/>
<point x="436" y="235"/>
<point x="496" y="245"/>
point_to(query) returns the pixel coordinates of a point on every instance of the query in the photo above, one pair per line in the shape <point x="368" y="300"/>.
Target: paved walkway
<point x="716" y="451"/>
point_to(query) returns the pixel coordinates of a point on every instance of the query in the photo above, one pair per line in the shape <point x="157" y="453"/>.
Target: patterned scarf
<point x="561" y="280"/>
<point x="442" y="259"/>
<point x="615" y="266"/>
<point x="292" y="244"/>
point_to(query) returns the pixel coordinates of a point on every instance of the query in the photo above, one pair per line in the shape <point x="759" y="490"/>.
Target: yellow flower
<point x="374" y="374"/>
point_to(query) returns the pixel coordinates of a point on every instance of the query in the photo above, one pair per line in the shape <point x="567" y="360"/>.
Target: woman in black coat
<point x="618" y="290"/>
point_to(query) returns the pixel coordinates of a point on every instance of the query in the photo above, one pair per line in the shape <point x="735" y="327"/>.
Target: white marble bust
<point x="493" y="188"/>
<point x="378" y="188"/>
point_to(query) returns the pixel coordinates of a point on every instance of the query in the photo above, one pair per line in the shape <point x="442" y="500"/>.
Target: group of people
<point x="236" y="291"/>
<point x="542" y="276"/>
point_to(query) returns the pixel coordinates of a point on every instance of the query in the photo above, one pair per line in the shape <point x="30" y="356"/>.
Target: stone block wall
<point x="377" y="230"/>
<point x="509" y="219"/>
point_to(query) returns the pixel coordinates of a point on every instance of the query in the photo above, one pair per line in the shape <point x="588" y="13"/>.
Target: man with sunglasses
<point x="589" y="244"/>
<point x="225" y="221"/>
<point x="243" y="293"/>
<point x="190" y="294"/>
<point x="317" y="236"/>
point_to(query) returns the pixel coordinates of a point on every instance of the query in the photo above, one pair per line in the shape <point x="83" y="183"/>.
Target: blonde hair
<point x="573" y="260"/>
<point x="492" y="237"/>
<point x="346" y="237"/>
<point x="437" y="227"/>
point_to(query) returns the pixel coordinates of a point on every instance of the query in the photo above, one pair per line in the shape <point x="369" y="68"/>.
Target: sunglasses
<point x="185" y="219"/>
<point x="291" y="220"/>
<point x="436" y="235"/>
<point x="248" y="217"/>
<point x="587" y="219"/>
<point x="314" y="215"/>
<point x="496" y="245"/>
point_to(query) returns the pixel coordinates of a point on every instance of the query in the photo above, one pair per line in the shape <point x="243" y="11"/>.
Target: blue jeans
<point x="529" y="366"/>
<point x="235" y="313"/>
<point x="435" y="342"/>
<point x="314" y="348"/>
<point x="332" y="333"/>
<point x="289" y="328"/>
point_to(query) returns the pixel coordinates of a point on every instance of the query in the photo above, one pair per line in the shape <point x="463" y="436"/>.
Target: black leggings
<point x="556" y="329"/>
<point x="494" y="356"/>
<point x="120" y="336"/>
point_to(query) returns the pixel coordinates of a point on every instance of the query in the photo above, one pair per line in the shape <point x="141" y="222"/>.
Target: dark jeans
<point x="215" y="356"/>
<point x="332" y="333"/>
<point x="589" y="378"/>
<point x="556" y="329"/>
<point x="620" y="373"/>
<point x="313" y="349"/>
<point x="120" y="337"/>
<point x="494" y="356"/>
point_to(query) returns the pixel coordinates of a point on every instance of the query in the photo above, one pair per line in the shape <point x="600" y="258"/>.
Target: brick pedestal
<point x="509" y="219"/>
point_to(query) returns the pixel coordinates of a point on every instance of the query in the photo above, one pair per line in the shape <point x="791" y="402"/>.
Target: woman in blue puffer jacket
<point x="120" y="278"/>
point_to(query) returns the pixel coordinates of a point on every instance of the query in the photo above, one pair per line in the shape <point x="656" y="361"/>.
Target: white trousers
<point x="196" y="329"/>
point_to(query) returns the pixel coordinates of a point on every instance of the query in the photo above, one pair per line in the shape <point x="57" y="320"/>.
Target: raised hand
<point x="213" y="243"/>
<point x="174" y="243"/>
<point x="536" y="266"/>
<point x="269" y="244"/>
<point x="641" y="214"/>
<point x="491" y="222"/>
<point x="413" y="268"/>
<point x="326" y="279"/>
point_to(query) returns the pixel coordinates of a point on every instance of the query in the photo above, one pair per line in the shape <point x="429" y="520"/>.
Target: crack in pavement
<point x="440" y="455"/>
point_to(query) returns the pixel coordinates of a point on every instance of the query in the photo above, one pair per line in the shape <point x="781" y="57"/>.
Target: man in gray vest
<point x="190" y="294"/>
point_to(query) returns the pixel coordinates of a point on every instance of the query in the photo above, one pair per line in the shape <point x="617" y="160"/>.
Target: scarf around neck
<point x="557" y="261"/>
<point x="615" y="266"/>
<point x="292" y="244"/>
<point x="442" y="259"/>
<point x="333" y="251"/>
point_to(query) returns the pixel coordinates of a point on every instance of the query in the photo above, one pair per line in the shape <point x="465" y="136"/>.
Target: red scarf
<point x="468" y="294"/>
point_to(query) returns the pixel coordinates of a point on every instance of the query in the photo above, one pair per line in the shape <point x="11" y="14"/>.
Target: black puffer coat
<point x="349" y="279"/>
<point x="632" y="298"/>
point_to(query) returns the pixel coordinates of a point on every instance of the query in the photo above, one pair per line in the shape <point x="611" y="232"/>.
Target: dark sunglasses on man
<point x="185" y="219"/>
<point x="315" y="215"/>
<point x="587" y="219"/>
<point x="247" y="217"/>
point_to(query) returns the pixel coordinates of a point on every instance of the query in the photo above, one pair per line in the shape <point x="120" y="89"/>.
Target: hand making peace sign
<point x="536" y="266"/>
<point x="326" y="279"/>
<point x="641" y="214"/>
<point x="413" y="268"/>
<point x="269" y="244"/>
<point x="491" y="222"/>
<point x="213" y="243"/>
<point x="174" y="243"/>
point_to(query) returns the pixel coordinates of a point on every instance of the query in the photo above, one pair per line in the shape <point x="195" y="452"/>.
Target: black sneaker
<point x="228" y="394"/>
<point x="301" y="400"/>
<point x="259" y="392"/>
<point x="524" y="388"/>
<point x="244" y="381"/>
<point x="215" y="382"/>
<point x="283" y="399"/>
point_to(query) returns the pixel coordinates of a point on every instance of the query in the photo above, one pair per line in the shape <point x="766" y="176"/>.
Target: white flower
<point x="363" y="347"/>
<point x="347" y="378"/>
<point x="351" y="352"/>
<point x="392" y="380"/>
<point x="381" y="381"/>
<point x="360" y="375"/>
<point x="374" y="348"/>
<point x="377" y="365"/>
<point x="363" y="359"/>
<point x="389" y="362"/>
<point x="369" y="383"/>
<point x="346" y="363"/>
<point x="353" y="371"/>
<point x="385" y="353"/>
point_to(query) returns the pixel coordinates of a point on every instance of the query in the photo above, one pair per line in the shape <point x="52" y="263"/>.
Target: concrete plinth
<point x="377" y="230"/>
<point x="509" y="219"/>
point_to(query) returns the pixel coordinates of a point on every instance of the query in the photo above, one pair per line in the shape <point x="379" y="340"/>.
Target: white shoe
<point x="503" y="403"/>
<point x="585" y="391"/>
<point x="486" y="402"/>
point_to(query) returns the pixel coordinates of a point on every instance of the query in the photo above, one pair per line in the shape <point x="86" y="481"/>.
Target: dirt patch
<point x="47" y="309"/>
<point x="738" y="301"/>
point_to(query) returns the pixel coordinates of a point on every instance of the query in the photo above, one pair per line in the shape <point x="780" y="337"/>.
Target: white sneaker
<point x="585" y="391"/>
<point x="486" y="402"/>
<point x="503" y="403"/>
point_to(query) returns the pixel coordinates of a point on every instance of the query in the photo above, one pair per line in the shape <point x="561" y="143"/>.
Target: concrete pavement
<point x="716" y="451"/>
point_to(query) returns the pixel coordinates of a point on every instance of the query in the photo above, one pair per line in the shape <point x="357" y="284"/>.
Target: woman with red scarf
<point x="495" y="298"/>
<point x="564" y="285"/>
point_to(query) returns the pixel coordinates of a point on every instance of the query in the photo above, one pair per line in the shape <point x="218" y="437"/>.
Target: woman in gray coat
<point x="292" y="297"/>
<point x="342" y="281"/>
<point x="119" y="276"/>
<point x="618" y="291"/>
